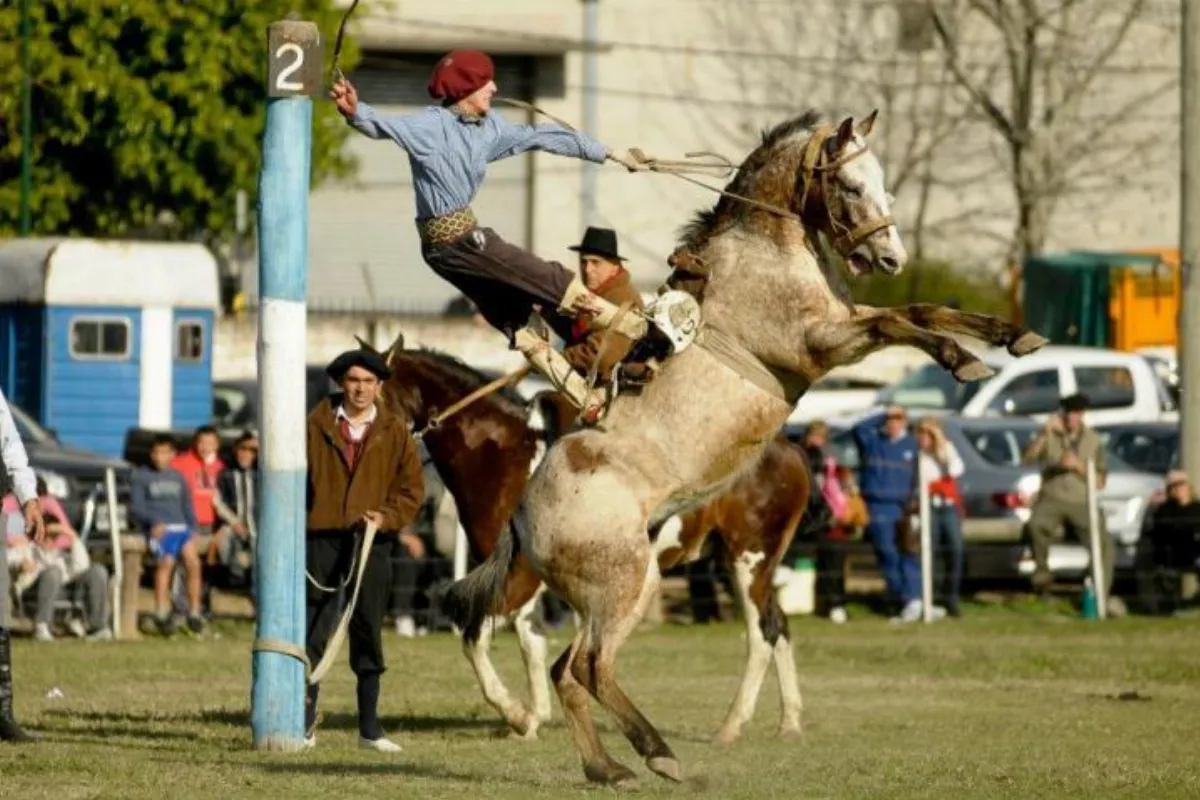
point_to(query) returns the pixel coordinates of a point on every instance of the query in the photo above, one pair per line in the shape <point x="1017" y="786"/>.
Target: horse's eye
<point x="854" y="191"/>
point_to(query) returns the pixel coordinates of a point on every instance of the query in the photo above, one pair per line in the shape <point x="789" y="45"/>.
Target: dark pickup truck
<point x="71" y="474"/>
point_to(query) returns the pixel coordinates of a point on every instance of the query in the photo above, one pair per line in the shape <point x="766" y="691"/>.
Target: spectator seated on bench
<point x="57" y="573"/>
<point x="161" y="505"/>
<point x="231" y="551"/>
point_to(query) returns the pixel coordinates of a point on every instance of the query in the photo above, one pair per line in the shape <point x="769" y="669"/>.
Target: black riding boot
<point x="10" y="731"/>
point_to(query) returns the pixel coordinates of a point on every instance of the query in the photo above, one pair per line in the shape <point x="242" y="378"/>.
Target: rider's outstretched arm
<point x="511" y="140"/>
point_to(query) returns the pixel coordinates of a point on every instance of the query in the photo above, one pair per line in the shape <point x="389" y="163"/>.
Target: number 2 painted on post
<point x="281" y="80"/>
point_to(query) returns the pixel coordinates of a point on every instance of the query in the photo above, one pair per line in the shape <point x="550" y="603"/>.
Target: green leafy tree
<point x="148" y="115"/>
<point x="925" y="281"/>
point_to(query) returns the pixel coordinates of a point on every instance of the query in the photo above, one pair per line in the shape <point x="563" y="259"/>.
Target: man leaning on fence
<point x="363" y="467"/>
<point x="1064" y="448"/>
<point x="17" y="475"/>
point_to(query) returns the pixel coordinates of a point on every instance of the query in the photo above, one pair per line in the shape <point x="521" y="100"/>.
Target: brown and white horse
<point x="778" y="316"/>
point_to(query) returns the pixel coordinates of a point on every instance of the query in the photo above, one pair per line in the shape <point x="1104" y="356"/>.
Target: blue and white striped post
<point x="294" y="75"/>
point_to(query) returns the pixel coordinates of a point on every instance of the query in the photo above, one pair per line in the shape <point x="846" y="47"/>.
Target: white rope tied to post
<point x="1098" y="586"/>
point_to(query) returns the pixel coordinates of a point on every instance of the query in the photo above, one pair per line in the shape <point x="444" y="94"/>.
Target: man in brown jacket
<point x="602" y="271"/>
<point x="1063" y="448"/>
<point x="362" y="466"/>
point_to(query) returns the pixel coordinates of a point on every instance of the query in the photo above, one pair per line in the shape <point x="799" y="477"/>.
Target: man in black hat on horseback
<point x="588" y="344"/>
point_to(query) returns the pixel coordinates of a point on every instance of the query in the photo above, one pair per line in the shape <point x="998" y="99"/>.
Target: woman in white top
<point x="939" y="467"/>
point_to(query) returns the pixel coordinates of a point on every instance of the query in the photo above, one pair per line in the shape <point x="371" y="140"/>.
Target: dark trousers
<point x="502" y="280"/>
<point x="330" y="559"/>
<point x="947" y="539"/>
<point x="831" y="573"/>
<point x="901" y="570"/>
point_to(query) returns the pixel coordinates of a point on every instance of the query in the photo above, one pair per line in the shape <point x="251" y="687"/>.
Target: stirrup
<point x="677" y="315"/>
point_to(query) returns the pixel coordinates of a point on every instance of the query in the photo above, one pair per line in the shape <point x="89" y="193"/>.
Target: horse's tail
<point x="481" y="593"/>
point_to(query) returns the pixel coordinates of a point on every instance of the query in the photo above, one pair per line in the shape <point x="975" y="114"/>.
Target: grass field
<point x="998" y="704"/>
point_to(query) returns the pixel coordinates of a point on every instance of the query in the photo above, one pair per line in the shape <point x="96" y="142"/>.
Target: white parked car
<point x="1122" y="387"/>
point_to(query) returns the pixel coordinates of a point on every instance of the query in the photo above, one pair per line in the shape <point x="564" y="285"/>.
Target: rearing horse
<point x="776" y="317"/>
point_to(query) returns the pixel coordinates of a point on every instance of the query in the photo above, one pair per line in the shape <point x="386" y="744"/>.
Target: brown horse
<point x="756" y="518"/>
<point x="483" y="454"/>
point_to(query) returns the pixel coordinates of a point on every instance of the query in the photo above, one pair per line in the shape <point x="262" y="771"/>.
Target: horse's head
<point x="842" y="190"/>
<point x="823" y="176"/>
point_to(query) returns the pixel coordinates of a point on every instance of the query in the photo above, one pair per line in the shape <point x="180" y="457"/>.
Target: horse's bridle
<point x="816" y="167"/>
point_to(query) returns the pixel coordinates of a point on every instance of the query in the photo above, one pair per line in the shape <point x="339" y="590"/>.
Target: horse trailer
<point x="97" y="337"/>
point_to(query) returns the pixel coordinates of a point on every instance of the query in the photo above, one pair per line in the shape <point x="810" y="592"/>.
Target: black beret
<point x="1076" y="402"/>
<point x="372" y="362"/>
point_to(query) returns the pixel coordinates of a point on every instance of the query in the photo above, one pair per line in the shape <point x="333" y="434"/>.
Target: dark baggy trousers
<point x="330" y="558"/>
<point x="504" y="281"/>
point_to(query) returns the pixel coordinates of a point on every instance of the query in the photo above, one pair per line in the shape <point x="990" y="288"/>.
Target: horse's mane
<point x="744" y="183"/>
<point x="470" y="379"/>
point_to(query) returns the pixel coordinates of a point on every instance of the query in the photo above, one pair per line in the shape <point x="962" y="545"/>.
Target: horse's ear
<point x="365" y="345"/>
<point x="845" y="133"/>
<point x="864" y="125"/>
<point x="393" y="348"/>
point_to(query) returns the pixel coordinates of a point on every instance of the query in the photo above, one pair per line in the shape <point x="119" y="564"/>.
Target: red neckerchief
<point x="581" y="325"/>
<point x="350" y="448"/>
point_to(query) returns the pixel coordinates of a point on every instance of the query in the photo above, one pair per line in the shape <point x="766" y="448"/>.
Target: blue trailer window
<point x="189" y="340"/>
<point x="105" y="338"/>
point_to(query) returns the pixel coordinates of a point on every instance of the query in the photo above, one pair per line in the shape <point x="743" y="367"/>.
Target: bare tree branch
<point x="978" y="94"/>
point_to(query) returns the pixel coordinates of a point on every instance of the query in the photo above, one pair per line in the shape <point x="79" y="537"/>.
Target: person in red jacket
<point x="200" y="467"/>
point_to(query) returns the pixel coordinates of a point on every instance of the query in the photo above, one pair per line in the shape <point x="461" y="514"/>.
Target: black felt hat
<point x="1076" y="402"/>
<point x="599" y="242"/>
<point x="372" y="362"/>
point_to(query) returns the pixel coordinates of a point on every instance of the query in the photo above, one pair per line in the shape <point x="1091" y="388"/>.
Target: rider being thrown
<point x="449" y="148"/>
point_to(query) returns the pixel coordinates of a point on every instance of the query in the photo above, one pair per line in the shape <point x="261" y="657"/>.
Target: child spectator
<point x="236" y="503"/>
<point x="161" y="503"/>
<point x="201" y="467"/>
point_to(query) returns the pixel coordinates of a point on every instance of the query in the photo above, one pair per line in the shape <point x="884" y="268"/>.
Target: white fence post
<point x="923" y="515"/>
<point x="1094" y="541"/>
<point x="114" y="536"/>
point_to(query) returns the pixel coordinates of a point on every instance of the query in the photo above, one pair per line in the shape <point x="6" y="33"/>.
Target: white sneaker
<point x="102" y="635"/>
<point x="310" y="741"/>
<point x="838" y="615"/>
<point x="75" y="626"/>
<point x="910" y="613"/>
<point x="383" y="745"/>
<point x="42" y="633"/>
<point x="406" y="626"/>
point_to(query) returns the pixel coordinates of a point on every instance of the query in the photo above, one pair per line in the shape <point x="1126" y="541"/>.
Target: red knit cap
<point x="460" y="73"/>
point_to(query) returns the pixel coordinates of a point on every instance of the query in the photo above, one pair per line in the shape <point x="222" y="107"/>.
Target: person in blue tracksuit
<point x="887" y="477"/>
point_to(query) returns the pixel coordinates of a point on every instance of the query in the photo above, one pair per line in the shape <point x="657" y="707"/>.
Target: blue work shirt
<point x="449" y="155"/>
<point x="888" y="468"/>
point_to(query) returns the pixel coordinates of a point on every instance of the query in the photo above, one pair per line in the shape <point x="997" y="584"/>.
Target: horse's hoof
<point x="666" y="767"/>
<point x="611" y="772"/>
<point x="973" y="371"/>
<point x="1027" y="343"/>
<point x="789" y="732"/>
<point x="530" y="734"/>
<point x="725" y="737"/>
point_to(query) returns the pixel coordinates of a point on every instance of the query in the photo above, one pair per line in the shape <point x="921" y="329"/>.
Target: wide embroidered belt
<point x="448" y="227"/>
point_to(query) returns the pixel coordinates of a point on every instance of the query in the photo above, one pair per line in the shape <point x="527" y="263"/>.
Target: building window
<point x="189" y="340"/>
<point x="100" y="339"/>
